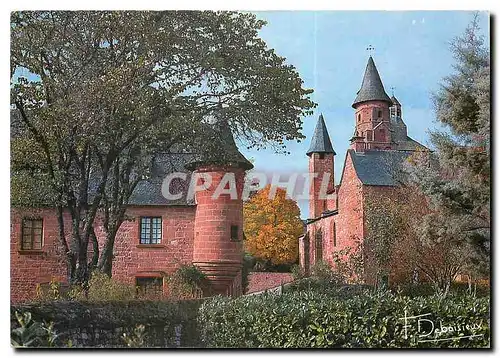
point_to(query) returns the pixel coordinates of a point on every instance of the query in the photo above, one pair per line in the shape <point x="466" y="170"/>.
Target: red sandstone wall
<point x="348" y="221"/>
<point x="28" y="268"/>
<point x="319" y="166"/>
<point x="214" y="251"/>
<point x="131" y="259"/>
<point x="366" y="120"/>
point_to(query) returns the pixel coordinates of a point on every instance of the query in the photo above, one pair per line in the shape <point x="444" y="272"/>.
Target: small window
<point x="359" y="117"/>
<point x="334" y="234"/>
<point x="319" y="246"/>
<point x="379" y="114"/>
<point x="149" y="286"/>
<point x="32" y="234"/>
<point x="150" y="230"/>
<point x="321" y="155"/>
<point x="234" y="233"/>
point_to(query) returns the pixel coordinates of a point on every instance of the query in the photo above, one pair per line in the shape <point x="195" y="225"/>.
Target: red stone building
<point x="379" y="144"/>
<point x="160" y="234"/>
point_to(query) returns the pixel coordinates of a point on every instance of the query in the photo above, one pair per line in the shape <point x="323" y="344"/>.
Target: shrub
<point x="297" y="272"/>
<point x="30" y="333"/>
<point x="314" y="320"/>
<point x="102" y="324"/>
<point x="188" y="282"/>
<point x="101" y="287"/>
<point x="248" y="264"/>
<point x="323" y="272"/>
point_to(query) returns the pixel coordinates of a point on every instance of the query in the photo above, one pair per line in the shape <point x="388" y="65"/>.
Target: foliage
<point x="315" y="320"/>
<point x="136" y="338"/>
<point x="99" y="93"/>
<point x="457" y="178"/>
<point x="188" y="282"/>
<point x="297" y="272"/>
<point x="101" y="287"/>
<point x="322" y="271"/>
<point x="248" y="264"/>
<point x="113" y="318"/>
<point x="31" y="333"/>
<point x="52" y="293"/>
<point x="349" y="264"/>
<point x="272" y="226"/>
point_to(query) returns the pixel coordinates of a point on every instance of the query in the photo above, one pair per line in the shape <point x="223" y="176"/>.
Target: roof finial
<point x="370" y="49"/>
<point x="392" y="90"/>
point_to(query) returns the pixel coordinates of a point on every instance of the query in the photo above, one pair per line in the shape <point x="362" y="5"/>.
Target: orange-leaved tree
<point x="272" y="226"/>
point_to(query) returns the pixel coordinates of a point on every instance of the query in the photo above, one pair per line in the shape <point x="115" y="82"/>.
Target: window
<point x="149" y="286"/>
<point x="150" y="230"/>
<point x="32" y="234"/>
<point x="359" y="117"/>
<point x="234" y="233"/>
<point x="334" y="234"/>
<point x="319" y="246"/>
<point x="379" y="113"/>
<point x="321" y="155"/>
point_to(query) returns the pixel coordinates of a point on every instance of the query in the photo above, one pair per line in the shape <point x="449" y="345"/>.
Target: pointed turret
<point x="320" y="142"/>
<point x="217" y="146"/>
<point x="372" y="88"/>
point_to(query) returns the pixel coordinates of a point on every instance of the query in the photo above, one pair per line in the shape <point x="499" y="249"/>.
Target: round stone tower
<point x="218" y="228"/>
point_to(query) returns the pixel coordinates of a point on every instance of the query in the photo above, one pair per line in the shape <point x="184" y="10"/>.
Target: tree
<point x="105" y="91"/>
<point x="458" y="186"/>
<point x="395" y="246"/>
<point x="272" y="226"/>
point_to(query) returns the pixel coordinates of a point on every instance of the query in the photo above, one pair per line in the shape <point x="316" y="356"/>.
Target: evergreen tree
<point x="457" y="183"/>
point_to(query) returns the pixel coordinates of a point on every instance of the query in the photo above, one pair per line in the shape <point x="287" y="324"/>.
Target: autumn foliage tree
<point x="272" y="226"/>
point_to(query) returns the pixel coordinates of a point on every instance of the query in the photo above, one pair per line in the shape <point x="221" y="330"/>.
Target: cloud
<point x="413" y="22"/>
<point x="423" y="21"/>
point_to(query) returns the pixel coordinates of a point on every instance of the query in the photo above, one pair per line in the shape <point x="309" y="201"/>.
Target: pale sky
<point x="328" y="48"/>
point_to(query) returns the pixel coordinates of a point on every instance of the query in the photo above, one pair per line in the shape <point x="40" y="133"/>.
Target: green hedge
<point x="101" y="324"/>
<point x="316" y="320"/>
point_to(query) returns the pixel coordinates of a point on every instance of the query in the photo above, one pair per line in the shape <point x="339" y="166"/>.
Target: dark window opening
<point x="321" y="155"/>
<point x="32" y="232"/>
<point x="319" y="246"/>
<point x="149" y="286"/>
<point x="379" y="114"/>
<point x="359" y="117"/>
<point x="234" y="233"/>
<point x="150" y="230"/>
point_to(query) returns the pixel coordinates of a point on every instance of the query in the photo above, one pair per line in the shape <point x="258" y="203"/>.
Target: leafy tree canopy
<point x="272" y="227"/>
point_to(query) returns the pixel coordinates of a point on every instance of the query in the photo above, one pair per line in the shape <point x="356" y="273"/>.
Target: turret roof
<point x="372" y="88"/>
<point x="320" y="142"/>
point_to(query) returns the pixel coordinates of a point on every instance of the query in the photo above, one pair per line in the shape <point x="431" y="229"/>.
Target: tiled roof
<point x="379" y="167"/>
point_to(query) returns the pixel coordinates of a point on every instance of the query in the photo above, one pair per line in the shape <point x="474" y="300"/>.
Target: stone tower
<point x="321" y="163"/>
<point x="218" y="228"/>
<point x="372" y="118"/>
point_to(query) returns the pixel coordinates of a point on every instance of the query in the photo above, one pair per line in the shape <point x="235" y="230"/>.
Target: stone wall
<point x="131" y="259"/>
<point x="168" y="323"/>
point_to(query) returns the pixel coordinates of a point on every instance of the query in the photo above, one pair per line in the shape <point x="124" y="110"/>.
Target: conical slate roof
<point x="320" y="142"/>
<point x="372" y="88"/>
<point x="217" y="147"/>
